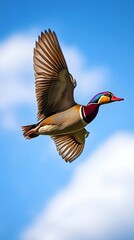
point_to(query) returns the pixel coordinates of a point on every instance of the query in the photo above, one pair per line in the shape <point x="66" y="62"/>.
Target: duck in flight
<point x="59" y="116"/>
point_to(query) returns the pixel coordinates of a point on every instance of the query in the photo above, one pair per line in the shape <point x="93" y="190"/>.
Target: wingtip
<point x="39" y="38"/>
<point x="36" y="44"/>
<point x="49" y="31"/>
<point x="42" y="34"/>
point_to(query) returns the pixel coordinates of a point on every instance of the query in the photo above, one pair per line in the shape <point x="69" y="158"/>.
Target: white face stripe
<point x="100" y="99"/>
<point x="82" y="116"/>
<point x="104" y="99"/>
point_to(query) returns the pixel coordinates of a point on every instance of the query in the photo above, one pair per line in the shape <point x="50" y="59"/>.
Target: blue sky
<point x="36" y="184"/>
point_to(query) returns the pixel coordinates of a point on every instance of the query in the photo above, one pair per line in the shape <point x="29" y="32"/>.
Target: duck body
<point x="64" y="122"/>
<point x="71" y="120"/>
<point x="59" y="115"/>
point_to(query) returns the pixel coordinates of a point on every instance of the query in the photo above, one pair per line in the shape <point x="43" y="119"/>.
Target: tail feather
<point x="30" y="131"/>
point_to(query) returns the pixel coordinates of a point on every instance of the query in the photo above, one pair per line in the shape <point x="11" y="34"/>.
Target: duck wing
<point x="70" y="146"/>
<point x="54" y="85"/>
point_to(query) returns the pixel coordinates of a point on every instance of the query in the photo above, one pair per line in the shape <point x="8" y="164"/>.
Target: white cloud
<point x="98" y="203"/>
<point x="17" y="75"/>
<point x="16" y="71"/>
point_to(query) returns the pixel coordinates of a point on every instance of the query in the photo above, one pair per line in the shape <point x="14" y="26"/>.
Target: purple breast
<point x="90" y="111"/>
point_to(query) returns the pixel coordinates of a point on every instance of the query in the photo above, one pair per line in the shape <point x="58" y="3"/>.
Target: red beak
<point x="114" y="98"/>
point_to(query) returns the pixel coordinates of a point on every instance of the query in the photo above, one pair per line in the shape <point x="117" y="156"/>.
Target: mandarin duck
<point x="59" y="116"/>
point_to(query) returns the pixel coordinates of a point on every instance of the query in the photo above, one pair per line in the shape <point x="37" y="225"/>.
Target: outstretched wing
<point x="53" y="82"/>
<point x="70" y="146"/>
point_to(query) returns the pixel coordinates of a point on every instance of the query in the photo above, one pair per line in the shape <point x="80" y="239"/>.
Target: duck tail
<point x="30" y="131"/>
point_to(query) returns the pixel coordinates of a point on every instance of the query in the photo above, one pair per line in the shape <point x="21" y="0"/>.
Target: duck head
<point x="105" y="97"/>
<point x="90" y="111"/>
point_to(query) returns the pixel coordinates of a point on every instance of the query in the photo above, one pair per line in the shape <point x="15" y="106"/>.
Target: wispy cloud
<point x="17" y="76"/>
<point x="98" y="203"/>
<point x="16" y="70"/>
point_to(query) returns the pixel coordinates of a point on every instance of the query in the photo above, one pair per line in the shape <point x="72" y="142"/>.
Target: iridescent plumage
<point x="60" y="116"/>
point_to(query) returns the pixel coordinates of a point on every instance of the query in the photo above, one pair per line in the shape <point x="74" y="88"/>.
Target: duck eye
<point x="108" y="94"/>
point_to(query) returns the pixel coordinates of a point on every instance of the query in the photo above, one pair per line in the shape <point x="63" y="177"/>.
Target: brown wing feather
<point x="53" y="83"/>
<point x="70" y="146"/>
